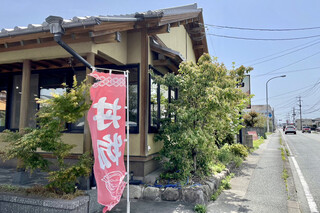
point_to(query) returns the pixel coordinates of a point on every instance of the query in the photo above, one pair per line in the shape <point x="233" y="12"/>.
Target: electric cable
<point x="251" y="61"/>
<point x="262" y="29"/>
<point x="263" y="39"/>
<point x="288" y="65"/>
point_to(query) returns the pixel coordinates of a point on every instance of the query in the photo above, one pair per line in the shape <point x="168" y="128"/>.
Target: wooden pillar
<point x="87" y="145"/>
<point x="144" y="93"/>
<point x="25" y="94"/>
<point x="24" y="105"/>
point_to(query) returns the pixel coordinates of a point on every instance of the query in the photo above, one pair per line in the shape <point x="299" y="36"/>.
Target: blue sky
<point x="302" y="65"/>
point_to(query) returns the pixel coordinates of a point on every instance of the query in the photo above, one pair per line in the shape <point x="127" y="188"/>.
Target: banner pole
<point x="128" y="120"/>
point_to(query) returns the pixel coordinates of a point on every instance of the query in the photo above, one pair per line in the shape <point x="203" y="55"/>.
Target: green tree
<point x="52" y="117"/>
<point x="206" y="112"/>
<point x="254" y="119"/>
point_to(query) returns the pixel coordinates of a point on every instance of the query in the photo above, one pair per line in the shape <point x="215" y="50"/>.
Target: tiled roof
<point x="95" y="20"/>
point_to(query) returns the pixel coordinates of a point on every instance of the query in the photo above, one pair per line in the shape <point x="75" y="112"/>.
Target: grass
<point x="225" y="184"/>
<point x="257" y="143"/>
<point x="38" y="191"/>
<point x="268" y="133"/>
<point x="200" y="208"/>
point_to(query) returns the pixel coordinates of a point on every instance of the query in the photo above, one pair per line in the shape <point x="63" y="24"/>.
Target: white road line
<point x="310" y="199"/>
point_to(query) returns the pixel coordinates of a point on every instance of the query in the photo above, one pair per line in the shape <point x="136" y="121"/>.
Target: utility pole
<point x="299" y="99"/>
<point x="293" y="115"/>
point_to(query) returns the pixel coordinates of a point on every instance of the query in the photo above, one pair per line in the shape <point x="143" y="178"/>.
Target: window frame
<point x="69" y="72"/>
<point x="132" y="129"/>
<point x="153" y="129"/>
<point x="8" y="86"/>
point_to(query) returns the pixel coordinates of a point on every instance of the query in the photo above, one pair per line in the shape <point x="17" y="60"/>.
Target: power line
<point x="250" y="61"/>
<point x="287" y="65"/>
<point x="298" y="70"/>
<point x="279" y="56"/>
<point x="263" y="39"/>
<point x="262" y="29"/>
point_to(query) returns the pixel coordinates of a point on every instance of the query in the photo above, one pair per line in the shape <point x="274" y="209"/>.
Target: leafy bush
<point x="205" y="115"/>
<point x="254" y="119"/>
<point x="51" y="120"/>
<point x="239" y="150"/>
<point x="200" y="208"/>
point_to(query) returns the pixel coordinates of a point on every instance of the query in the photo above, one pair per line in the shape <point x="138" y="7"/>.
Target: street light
<point x="280" y="76"/>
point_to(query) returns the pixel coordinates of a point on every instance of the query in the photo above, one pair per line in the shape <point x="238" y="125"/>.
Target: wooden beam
<point x="38" y="63"/>
<point x="144" y="93"/>
<point x="200" y="46"/>
<point x="53" y="63"/>
<point x="166" y="63"/>
<point x="159" y="30"/>
<point x="105" y="39"/>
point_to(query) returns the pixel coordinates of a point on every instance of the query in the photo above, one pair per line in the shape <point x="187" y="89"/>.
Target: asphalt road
<point x="305" y="148"/>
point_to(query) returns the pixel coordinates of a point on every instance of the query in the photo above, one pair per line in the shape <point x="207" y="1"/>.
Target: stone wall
<point x="14" y="203"/>
<point x="196" y="194"/>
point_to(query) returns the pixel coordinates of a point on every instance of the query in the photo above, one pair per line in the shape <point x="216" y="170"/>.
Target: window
<point x="78" y="126"/>
<point x="3" y="102"/>
<point x="16" y="98"/>
<point x="154" y="100"/>
<point x="51" y="83"/>
<point x="46" y="82"/>
<point x="159" y="97"/>
<point x="133" y="94"/>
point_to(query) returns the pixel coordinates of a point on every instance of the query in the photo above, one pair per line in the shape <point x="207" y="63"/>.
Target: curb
<point x="292" y="204"/>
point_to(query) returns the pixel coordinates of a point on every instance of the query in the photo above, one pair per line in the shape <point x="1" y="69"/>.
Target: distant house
<point x="32" y="65"/>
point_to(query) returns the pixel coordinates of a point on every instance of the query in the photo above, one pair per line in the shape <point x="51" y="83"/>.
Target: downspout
<point x="55" y="24"/>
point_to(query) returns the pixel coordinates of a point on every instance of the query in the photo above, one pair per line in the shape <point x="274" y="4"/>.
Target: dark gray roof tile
<point x="93" y="20"/>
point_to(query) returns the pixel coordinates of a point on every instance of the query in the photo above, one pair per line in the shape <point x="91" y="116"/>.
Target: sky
<point x="279" y="42"/>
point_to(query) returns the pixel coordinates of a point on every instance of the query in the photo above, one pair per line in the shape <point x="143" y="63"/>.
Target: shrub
<point x="51" y="120"/>
<point x="239" y="150"/>
<point x="200" y="208"/>
<point x="206" y="115"/>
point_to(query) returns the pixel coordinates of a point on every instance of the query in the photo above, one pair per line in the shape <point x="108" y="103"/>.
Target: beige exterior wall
<point x="116" y="52"/>
<point x="153" y="147"/>
<point x="134" y="145"/>
<point x="43" y="53"/>
<point x="133" y="47"/>
<point x="179" y="40"/>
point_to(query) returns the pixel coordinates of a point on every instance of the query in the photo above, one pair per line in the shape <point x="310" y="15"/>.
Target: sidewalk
<point x="258" y="186"/>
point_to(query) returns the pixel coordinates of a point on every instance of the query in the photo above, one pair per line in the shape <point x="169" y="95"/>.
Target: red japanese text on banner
<point x="106" y="119"/>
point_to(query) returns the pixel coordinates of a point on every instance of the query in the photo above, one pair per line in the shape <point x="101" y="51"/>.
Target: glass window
<point x="154" y="100"/>
<point x="160" y="97"/>
<point x="133" y="94"/>
<point x="133" y="99"/>
<point x="16" y="98"/>
<point x="15" y="105"/>
<point x="164" y="100"/>
<point x="79" y="124"/>
<point x="3" y="102"/>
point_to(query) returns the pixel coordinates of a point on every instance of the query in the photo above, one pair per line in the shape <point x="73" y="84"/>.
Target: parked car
<point x="306" y="129"/>
<point x="318" y="129"/>
<point x="290" y="129"/>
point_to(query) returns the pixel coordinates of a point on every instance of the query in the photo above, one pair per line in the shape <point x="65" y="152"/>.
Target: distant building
<point x="313" y="123"/>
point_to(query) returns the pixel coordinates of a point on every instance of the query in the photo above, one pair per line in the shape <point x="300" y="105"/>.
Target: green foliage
<point x="206" y="113"/>
<point x="51" y="121"/>
<point x="199" y="208"/>
<point x="239" y="150"/>
<point x="218" y="167"/>
<point x="225" y="184"/>
<point x="257" y="143"/>
<point x="254" y="119"/>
